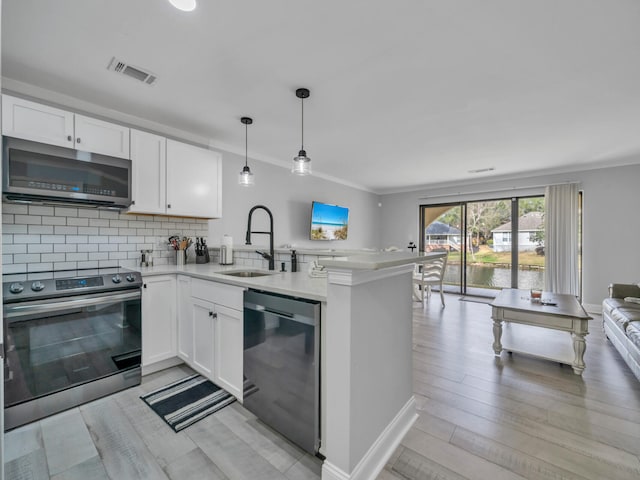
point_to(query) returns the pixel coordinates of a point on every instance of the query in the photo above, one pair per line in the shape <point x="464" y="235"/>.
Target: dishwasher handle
<point x="294" y="317"/>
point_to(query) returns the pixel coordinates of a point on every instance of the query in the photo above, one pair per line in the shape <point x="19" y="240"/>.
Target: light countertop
<point x="376" y="261"/>
<point x="298" y="284"/>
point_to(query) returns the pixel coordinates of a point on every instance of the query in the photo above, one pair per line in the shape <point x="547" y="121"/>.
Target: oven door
<point x="57" y="344"/>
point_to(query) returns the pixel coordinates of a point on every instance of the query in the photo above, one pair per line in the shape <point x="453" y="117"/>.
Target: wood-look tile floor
<point x="480" y="417"/>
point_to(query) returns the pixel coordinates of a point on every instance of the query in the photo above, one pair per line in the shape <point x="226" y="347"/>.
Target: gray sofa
<point x="622" y="323"/>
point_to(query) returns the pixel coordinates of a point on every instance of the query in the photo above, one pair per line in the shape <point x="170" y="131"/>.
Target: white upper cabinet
<point x="33" y="121"/>
<point x="41" y="123"/>
<point x="148" y="165"/>
<point x="194" y="181"/>
<point x="98" y="136"/>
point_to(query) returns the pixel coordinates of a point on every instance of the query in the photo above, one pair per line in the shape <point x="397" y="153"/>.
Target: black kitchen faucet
<point x="268" y="256"/>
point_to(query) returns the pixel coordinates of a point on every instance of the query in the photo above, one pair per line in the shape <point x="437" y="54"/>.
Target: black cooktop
<point x="20" y="287"/>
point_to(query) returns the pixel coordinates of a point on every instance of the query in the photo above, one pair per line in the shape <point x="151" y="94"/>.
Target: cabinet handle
<point x="133" y="202"/>
<point x="69" y="137"/>
<point x="144" y="285"/>
<point x="78" y="140"/>
<point x="213" y="314"/>
<point x="169" y="205"/>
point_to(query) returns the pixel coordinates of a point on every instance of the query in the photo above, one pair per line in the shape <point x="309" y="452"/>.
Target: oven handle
<point x="55" y="305"/>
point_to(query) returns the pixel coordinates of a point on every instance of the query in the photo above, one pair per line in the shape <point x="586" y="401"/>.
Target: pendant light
<point x="246" y="177"/>
<point x="302" y="163"/>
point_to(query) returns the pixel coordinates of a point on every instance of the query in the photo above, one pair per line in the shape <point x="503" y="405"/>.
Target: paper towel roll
<point x="226" y="250"/>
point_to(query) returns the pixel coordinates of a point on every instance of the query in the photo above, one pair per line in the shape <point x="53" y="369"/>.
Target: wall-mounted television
<point x="329" y="222"/>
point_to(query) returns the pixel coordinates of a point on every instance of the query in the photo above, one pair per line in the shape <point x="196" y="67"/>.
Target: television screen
<point x="329" y="222"/>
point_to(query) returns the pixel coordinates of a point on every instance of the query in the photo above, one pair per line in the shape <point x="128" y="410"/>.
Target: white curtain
<point x="561" y="239"/>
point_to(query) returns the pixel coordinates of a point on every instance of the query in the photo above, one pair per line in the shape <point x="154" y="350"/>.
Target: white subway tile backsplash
<point x="40" y="210"/>
<point x="20" y="248"/>
<point x="66" y="212"/>
<point x="60" y="230"/>
<point x="78" y="222"/>
<point x="14" y="228"/>
<point x="98" y="222"/>
<point x="108" y="214"/>
<point x="76" y="238"/>
<point x="52" y="238"/>
<point x="77" y="257"/>
<point x="53" y="257"/>
<point x="27" y="219"/>
<point x="67" y="247"/>
<point x="26" y="239"/>
<point x="40" y="229"/>
<point x="14" y="208"/>
<point x="65" y="265"/>
<point x="88" y="264"/>
<point x="38" y="267"/>
<point x="39" y="238"/>
<point x="88" y="213"/>
<point x="54" y="220"/>
<point x="35" y="248"/>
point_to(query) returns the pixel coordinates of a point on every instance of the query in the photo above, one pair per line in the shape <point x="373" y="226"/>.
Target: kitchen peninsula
<point x="367" y="403"/>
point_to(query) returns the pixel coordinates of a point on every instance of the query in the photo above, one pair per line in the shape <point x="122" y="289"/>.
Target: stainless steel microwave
<point x="39" y="173"/>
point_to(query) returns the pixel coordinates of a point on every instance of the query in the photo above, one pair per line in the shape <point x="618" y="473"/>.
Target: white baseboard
<point x="593" y="308"/>
<point x="161" y="365"/>
<point x="380" y="451"/>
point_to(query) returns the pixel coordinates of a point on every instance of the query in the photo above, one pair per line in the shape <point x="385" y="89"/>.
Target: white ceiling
<point x="404" y="93"/>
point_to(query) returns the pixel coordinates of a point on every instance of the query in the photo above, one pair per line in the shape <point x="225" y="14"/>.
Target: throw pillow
<point x="632" y="299"/>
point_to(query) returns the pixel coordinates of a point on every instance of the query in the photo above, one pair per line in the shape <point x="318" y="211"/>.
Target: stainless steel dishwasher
<point x="282" y="365"/>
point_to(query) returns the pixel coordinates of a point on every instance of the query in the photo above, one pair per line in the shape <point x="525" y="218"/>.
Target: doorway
<point x="492" y="244"/>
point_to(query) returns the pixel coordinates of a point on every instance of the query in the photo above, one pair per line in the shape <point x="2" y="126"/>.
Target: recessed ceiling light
<point x="184" y="5"/>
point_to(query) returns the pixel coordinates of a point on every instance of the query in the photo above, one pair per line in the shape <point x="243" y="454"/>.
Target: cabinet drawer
<point x="220" y="293"/>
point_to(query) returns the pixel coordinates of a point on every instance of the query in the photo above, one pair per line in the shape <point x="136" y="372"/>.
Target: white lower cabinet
<point x="203" y="317"/>
<point x="158" y="319"/>
<point x="228" y="349"/>
<point x="185" y="320"/>
<point x="210" y="330"/>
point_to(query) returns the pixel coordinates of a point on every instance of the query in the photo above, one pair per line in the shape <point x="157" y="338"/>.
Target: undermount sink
<point x="246" y="273"/>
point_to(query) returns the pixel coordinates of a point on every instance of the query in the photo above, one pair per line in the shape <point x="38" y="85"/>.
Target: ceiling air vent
<point x="136" y="73"/>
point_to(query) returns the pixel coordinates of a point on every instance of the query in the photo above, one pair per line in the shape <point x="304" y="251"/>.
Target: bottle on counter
<point x="294" y="261"/>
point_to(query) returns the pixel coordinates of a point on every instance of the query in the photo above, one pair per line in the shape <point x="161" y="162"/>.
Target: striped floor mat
<point x="186" y="401"/>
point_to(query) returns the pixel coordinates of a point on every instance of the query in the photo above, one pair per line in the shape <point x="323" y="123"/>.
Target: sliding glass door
<point x="492" y="244"/>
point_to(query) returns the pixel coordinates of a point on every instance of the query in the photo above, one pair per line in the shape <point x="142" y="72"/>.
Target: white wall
<point x="611" y="230"/>
<point x="289" y="198"/>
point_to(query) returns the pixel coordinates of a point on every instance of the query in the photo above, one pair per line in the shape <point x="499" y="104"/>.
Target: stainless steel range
<point x="70" y="337"/>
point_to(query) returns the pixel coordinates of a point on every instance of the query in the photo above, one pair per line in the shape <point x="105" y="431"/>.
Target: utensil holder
<point x="181" y="257"/>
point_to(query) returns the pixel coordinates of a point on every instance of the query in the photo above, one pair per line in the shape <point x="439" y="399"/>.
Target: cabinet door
<point x="194" y="181"/>
<point x="203" y="335"/>
<point x="228" y="348"/>
<point x="93" y="135"/>
<point x="185" y="320"/>
<point x="158" y="319"/>
<point x="148" y="162"/>
<point x="33" y="121"/>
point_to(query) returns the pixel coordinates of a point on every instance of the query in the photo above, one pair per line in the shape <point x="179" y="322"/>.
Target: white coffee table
<point x="523" y="320"/>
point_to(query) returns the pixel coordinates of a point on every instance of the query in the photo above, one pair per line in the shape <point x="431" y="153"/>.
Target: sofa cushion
<point x="633" y="333"/>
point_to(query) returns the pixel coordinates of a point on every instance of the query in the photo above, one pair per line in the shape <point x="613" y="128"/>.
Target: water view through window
<point x="492" y="244"/>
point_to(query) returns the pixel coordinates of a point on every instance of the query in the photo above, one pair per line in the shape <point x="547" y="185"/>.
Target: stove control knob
<point x="131" y="278"/>
<point x="37" y="286"/>
<point x="116" y="279"/>
<point x="16" y="288"/>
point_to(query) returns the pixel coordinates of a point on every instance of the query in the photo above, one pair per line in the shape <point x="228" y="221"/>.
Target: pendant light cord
<point x="302" y="104"/>
<point x="246" y="144"/>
